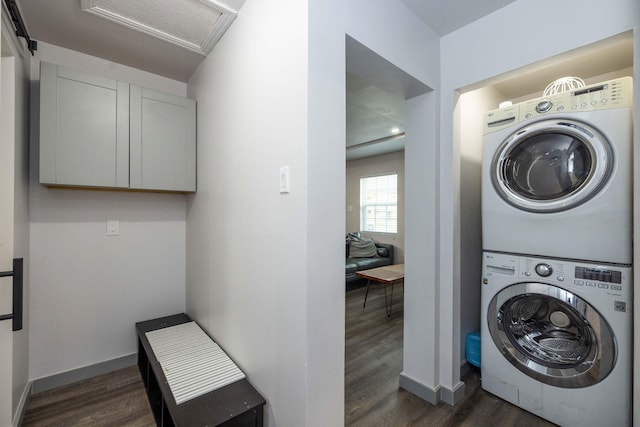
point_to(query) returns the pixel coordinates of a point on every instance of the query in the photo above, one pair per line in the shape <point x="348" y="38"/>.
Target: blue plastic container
<point x="472" y="348"/>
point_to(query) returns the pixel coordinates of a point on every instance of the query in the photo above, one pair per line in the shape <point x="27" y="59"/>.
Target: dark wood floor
<point x="114" y="399"/>
<point x="373" y="363"/>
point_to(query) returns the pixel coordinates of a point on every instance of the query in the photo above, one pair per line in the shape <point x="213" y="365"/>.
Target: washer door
<point x="552" y="165"/>
<point x="551" y="335"/>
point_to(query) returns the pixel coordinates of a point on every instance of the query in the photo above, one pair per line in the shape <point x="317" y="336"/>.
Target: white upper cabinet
<point x="163" y="141"/>
<point x="99" y="132"/>
<point x="84" y="129"/>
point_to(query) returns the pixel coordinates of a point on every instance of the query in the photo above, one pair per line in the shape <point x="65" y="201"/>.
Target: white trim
<point x="454" y="395"/>
<point x="431" y="395"/>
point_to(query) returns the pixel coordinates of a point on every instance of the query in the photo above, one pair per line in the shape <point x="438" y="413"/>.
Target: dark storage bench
<point x="236" y="404"/>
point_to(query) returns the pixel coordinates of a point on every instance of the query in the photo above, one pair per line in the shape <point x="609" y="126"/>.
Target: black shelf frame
<point x="237" y="404"/>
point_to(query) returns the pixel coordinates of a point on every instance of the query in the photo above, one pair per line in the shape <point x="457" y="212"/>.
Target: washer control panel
<point x="606" y="279"/>
<point x="614" y="281"/>
<point x="617" y="93"/>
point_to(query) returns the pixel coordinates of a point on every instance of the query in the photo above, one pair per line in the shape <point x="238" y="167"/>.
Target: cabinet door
<point x="84" y="129"/>
<point x="163" y="141"/>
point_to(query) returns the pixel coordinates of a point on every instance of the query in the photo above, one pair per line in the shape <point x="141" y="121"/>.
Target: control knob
<point x="544" y="106"/>
<point x="544" y="270"/>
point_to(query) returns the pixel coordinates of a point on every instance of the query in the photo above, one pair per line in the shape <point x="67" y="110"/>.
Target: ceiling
<point x="375" y="119"/>
<point x="63" y="23"/>
<point x="445" y="16"/>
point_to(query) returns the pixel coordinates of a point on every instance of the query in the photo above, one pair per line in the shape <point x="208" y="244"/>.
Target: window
<point x="379" y="204"/>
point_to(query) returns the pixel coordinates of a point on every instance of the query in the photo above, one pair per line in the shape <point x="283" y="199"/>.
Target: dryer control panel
<point x="617" y="93"/>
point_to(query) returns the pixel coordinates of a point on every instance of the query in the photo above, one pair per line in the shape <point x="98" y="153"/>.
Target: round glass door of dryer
<point x="552" y="335"/>
<point x="552" y="165"/>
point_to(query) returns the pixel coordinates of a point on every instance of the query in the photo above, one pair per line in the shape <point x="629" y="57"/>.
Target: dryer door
<point x="552" y="335"/>
<point x="552" y="165"/>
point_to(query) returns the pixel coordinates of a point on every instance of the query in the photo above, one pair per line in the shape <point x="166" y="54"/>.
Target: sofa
<point x="355" y="261"/>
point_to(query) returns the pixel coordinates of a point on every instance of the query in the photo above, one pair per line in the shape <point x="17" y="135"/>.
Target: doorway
<point x="377" y="95"/>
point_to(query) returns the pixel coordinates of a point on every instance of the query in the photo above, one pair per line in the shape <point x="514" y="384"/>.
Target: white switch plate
<point x="113" y="227"/>
<point x="284" y="179"/>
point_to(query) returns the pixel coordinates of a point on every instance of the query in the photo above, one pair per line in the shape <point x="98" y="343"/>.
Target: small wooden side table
<point x="388" y="275"/>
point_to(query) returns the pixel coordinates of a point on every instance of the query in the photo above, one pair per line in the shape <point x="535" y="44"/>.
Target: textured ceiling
<point x="372" y="113"/>
<point x="63" y="23"/>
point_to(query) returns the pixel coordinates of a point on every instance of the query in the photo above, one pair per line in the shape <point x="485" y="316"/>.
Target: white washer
<point x="557" y="338"/>
<point x="557" y="175"/>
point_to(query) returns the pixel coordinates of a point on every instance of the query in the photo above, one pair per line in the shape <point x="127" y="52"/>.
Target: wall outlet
<point x="113" y="227"/>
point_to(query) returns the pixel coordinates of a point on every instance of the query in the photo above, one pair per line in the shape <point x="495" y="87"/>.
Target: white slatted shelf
<point x="191" y="361"/>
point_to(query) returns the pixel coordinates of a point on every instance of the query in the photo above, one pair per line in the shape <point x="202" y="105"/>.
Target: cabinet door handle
<point x="17" y="275"/>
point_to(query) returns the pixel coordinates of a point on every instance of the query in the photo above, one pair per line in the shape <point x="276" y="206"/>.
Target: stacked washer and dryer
<point x="557" y="238"/>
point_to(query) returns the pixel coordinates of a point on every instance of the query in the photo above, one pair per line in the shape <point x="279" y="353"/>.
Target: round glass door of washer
<point x="552" y="335"/>
<point x="552" y="165"/>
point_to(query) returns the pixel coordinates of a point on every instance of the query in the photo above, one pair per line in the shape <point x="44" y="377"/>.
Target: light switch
<point x="284" y="179"/>
<point x="113" y="227"/>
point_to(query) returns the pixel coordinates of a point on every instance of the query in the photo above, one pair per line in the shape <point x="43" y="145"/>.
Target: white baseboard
<point x="432" y="395"/>
<point x="454" y="395"/>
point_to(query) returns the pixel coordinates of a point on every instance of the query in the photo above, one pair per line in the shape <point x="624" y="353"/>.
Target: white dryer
<point x="557" y="338"/>
<point x="557" y="175"/>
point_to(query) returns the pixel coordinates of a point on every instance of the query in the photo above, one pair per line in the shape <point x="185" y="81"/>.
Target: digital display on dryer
<point x="590" y="89"/>
<point x="599" y="274"/>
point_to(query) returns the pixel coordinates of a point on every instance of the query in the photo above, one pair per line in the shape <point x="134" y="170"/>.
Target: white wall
<point x="504" y="41"/>
<point x="384" y="164"/>
<point x="88" y="290"/>
<point x="7" y="188"/>
<point x="265" y="272"/>
<point x="246" y="242"/>
<point x="21" y="223"/>
<point x="421" y="311"/>
<point x="15" y="216"/>
<point x="636" y="219"/>
<point x="468" y="129"/>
